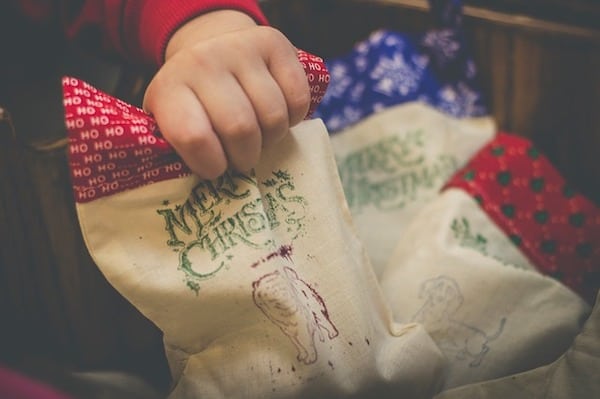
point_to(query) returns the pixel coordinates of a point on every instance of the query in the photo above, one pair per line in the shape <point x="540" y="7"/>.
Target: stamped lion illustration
<point x="296" y="308"/>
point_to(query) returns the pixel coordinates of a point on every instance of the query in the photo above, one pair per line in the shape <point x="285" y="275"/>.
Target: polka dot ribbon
<point x="115" y="146"/>
<point x="555" y="227"/>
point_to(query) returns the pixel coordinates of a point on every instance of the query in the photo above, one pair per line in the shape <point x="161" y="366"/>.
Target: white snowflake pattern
<point x="362" y="47"/>
<point x="338" y="70"/>
<point x="470" y="70"/>
<point x="357" y="91"/>
<point x="378" y="107"/>
<point x="460" y="101"/>
<point x="421" y="60"/>
<point x="348" y="116"/>
<point x="361" y="63"/>
<point x="352" y="114"/>
<point x="442" y="42"/>
<point x="394" y="41"/>
<point x="340" y="81"/>
<point x="395" y="74"/>
<point x="336" y="122"/>
<point x="377" y="36"/>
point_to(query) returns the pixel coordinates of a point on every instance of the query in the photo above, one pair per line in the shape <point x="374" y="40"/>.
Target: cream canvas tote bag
<point x="258" y="281"/>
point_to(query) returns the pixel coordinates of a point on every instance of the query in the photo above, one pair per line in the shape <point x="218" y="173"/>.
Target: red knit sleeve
<point x="140" y="29"/>
<point x="159" y="19"/>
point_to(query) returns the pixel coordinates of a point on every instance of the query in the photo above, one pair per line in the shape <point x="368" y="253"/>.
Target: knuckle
<point x="299" y="101"/>
<point x="198" y="56"/>
<point x="150" y="94"/>
<point x="195" y="57"/>
<point x="247" y="162"/>
<point x="271" y="33"/>
<point x="239" y="127"/>
<point x="214" y="169"/>
<point x="205" y="164"/>
<point x="274" y="120"/>
<point x="190" y="137"/>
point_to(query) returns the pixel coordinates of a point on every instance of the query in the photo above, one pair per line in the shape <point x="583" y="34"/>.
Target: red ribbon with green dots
<point x="557" y="228"/>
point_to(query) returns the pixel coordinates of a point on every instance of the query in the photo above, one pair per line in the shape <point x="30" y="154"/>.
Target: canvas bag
<point x="498" y="267"/>
<point x="573" y="375"/>
<point x="394" y="162"/>
<point x="258" y="281"/>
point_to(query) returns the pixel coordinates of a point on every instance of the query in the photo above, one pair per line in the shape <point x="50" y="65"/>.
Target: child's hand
<point x="228" y="88"/>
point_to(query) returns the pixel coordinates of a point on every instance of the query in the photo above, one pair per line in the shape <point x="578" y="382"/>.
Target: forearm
<point x="207" y="26"/>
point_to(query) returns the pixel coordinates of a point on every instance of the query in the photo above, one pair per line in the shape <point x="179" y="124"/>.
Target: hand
<point x="228" y="88"/>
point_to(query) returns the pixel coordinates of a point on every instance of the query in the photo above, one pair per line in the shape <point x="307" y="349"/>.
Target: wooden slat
<point x="526" y="89"/>
<point x="518" y="21"/>
<point x="493" y="49"/>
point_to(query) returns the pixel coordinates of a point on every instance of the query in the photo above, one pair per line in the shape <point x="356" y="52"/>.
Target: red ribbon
<point x="557" y="228"/>
<point x="114" y="146"/>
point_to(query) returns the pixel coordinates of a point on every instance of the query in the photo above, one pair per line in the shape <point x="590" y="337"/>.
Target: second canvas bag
<point x="394" y="162"/>
<point x="500" y="267"/>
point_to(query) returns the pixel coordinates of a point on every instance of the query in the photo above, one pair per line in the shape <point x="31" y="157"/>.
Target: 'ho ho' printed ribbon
<point x="114" y="146"/>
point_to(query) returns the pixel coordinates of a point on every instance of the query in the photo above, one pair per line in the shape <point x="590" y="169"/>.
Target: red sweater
<point x="138" y="29"/>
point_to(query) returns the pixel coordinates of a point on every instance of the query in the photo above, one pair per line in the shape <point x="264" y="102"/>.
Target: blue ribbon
<point x="391" y="68"/>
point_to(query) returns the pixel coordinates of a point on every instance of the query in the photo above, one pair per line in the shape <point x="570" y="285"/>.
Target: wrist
<point x="205" y="26"/>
